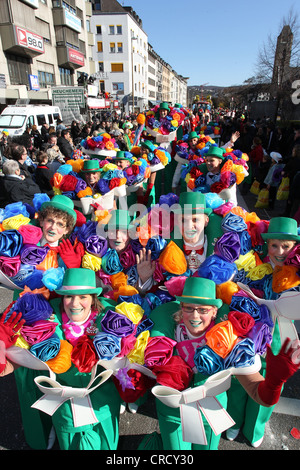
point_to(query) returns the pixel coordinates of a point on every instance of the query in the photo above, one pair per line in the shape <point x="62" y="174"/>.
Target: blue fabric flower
<point x="213" y="200"/>
<point x="53" y="278"/>
<point x="107" y="345"/>
<point x="65" y="169"/>
<point x="145" y="325"/>
<point x="103" y="186"/>
<point x="10" y="243"/>
<point x="207" y="362"/>
<point x="39" y="199"/>
<point x="13" y="209"/>
<point x="111" y="263"/>
<point x="217" y="269"/>
<point x="47" y="349"/>
<point x="246" y="243"/>
<point x="33" y="307"/>
<point x="156" y="245"/>
<point x="245" y="304"/>
<point x="233" y="223"/>
<point x="242" y="354"/>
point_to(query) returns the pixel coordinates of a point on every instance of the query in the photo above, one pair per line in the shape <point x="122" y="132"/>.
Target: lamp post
<point x="132" y="70"/>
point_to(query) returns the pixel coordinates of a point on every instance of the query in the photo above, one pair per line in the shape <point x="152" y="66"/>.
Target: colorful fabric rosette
<point x="170" y="123"/>
<point x="233" y="171"/>
<point x="23" y="262"/>
<point x="158" y="158"/>
<point x="102" y="144"/>
<point x="184" y="153"/>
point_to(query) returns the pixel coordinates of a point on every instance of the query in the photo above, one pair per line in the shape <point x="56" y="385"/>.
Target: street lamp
<point x="132" y="69"/>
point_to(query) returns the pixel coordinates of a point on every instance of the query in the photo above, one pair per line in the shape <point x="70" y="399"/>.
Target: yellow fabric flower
<point x="174" y="123"/>
<point x="132" y="311"/>
<point x="137" y="354"/>
<point x="56" y="191"/>
<point x="109" y="166"/>
<point x="258" y="272"/>
<point x="13" y="223"/>
<point x="247" y="261"/>
<point x="22" y="343"/>
<point x="92" y="262"/>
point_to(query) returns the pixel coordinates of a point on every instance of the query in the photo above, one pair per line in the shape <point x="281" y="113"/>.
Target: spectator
<point x="64" y="144"/>
<point x="20" y="155"/>
<point x="43" y="174"/>
<point x="45" y="131"/>
<point x="75" y="131"/>
<point x="273" y="178"/>
<point x="60" y="125"/>
<point x="55" y="157"/>
<point x="291" y="168"/>
<point x="16" y="187"/>
<point x="37" y="138"/>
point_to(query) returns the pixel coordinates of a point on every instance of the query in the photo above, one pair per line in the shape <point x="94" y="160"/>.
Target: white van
<point x="16" y="118"/>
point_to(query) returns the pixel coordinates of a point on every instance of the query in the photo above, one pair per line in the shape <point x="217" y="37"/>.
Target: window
<point x="41" y="119"/>
<point x="98" y="29"/>
<point x="65" y="76"/>
<point x="119" y="46"/>
<point x="111" y="29"/>
<point x="101" y="66"/>
<point x="88" y="26"/>
<point x="119" y="29"/>
<point x="112" y="47"/>
<point x="18" y="69"/>
<point x="116" y="67"/>
<point x="99" y="46"/>
<point x="45" y="78"/>
<point x="30" y="121"/>
<point x="50" y="119"/>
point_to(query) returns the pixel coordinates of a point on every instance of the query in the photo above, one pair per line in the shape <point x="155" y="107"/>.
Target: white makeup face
<point x="193" y="228"/>
<point x="93" y="177"/>
<point x="53" y="229"/>
<point x="278" y="250"/>
<point x="77" y="307"/>
<point x="193" y="142"/>
<point x="197" y="318"/>
<point x="118" y="239"/>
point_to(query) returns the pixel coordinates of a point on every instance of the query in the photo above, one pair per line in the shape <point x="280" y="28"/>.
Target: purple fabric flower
<point x="80" y="186"/>
<point x="33" y="254"/>
<point x="261" y="336"/>
<point x="103" y="186"/>
<point x="34" y="307"/>
<point x="228" y="246"/>
<point x="96" y="245"/>
<point x="117" y="324"/>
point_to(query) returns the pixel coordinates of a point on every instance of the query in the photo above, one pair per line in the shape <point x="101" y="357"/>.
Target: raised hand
<point x="145" y="266"/>
<point x="71" y="255"/>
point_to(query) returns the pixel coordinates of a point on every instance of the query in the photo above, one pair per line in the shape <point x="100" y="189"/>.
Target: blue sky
<point x="214" y="42"/>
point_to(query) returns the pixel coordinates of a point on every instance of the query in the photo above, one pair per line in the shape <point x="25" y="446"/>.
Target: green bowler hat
<point x="91" y="166"/>
<point x="164" y="106"/>
<point x="193" y="135"/>
<point x="79" y="281"/>
<point x="148" y="144"/>
<point x="198" y="290"/>
<point x="193" y="203"/>
<point x="120" y="219"/>
<point x="282" y="228"/>
<point x="63" y="203"/>
<point x="216" y="152"/>
<point x="121" y="155"/>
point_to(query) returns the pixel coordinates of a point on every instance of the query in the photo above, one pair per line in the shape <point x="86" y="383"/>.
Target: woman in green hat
<point x="91" y="172"/>
<point x="77" y="312"/>
<point x="281" y="238"/>
<point x="192" y="141"/>
<point x="195" y="320"/>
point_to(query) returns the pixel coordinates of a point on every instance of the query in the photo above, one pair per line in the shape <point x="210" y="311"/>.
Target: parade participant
<point x="118" y="233"/>
<point x="76" y="312"/>
<point x="91" y="173"/>
<point x="281" y="240"/>
<point x="149" y="195"/>
<point x="196" y="228"/>
<point x="208" y="345"/>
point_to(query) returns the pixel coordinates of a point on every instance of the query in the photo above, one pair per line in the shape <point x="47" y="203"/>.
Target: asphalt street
<point x="282" y="430"/>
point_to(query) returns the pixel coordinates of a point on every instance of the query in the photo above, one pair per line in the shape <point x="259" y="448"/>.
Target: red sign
<point x="30" y="40"/>
<point x="75" y="57"/>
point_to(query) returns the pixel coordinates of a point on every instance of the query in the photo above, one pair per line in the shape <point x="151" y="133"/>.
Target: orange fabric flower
<point x="172" y="259"/>
<point x="141" y="118"/>
<point x="77" y="165"/>
<point x="135" y="149"/>
<point x="62" y="362"/>
<point x="109" y="145"/>
<point x="227" y="166"/>
<point x="221" y="338"/>
<point x="50" y="261"/>
<point x="252" y="217"/>
<point x="117" y="280"/>
<point x="43" y="290"/>
<point x="85" y="192"/>
<point x="226" y="290"/>
<point x="191" y="183"/>
<point x="125" y="290"/>
<point x="239" y="211"/>
<point x="57" y="179"/>
<point x="284" y="278"/>
<point x="147" y="173"/>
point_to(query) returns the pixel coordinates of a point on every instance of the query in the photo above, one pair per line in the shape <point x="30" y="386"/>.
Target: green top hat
<point x="216" y="152"/>
<point x="63" y="203"/>
<point x="282" y="228"/>
<point x="121" y="155"/>
<point x="79" y="281"/>
<point x="193" y="135"/>
<point x="149" y="145"/>
<point x="164" y="106"/>
<point x="91" y="166"/>
<point x="193" y="203"/>
<point x="199" y="291"/>
<point x="120" y="219"/>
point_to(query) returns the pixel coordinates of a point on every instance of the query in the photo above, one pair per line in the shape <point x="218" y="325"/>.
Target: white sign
<point x="72" y="21"/>
<point x="30" y="40"/>
<point x="68" y="97"/>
